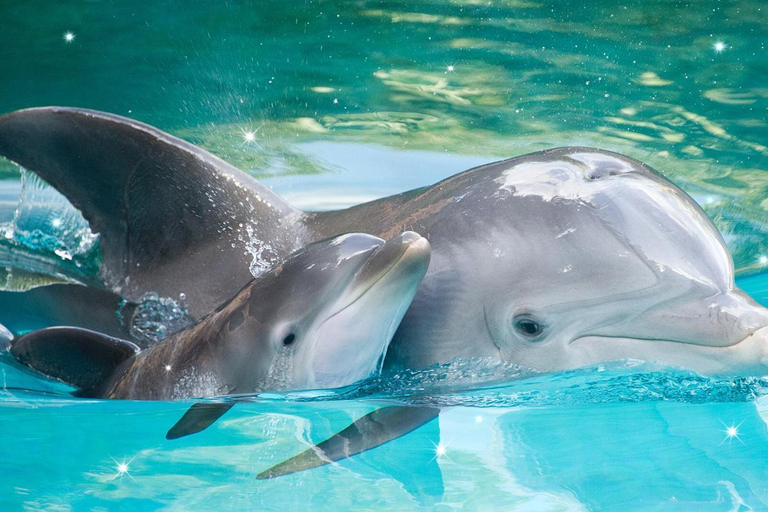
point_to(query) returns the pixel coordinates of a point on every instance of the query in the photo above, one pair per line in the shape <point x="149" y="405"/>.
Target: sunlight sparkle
<point x="719" y="47"/>
<point x="69" y="37"/>
<point x="123" y="468"/>
<point x="249" y="136"/>
<point x="731" y="432"/>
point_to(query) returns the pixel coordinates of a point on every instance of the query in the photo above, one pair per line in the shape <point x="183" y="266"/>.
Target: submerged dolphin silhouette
<point x="553" y="260"/>
<point x="322" y="319"/>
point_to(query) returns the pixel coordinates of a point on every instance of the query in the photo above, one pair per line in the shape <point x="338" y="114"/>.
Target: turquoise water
<point x="349" y="101"/>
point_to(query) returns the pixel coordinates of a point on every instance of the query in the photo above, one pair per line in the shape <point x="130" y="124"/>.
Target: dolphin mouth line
<point x="488" y="328"/>
<point x="596" y="337"/>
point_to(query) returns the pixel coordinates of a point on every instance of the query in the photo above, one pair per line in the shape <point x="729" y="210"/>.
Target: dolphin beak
<point x="736" y="347"/>
<point x="356" y="335"/>
<point x="408" y="253"/>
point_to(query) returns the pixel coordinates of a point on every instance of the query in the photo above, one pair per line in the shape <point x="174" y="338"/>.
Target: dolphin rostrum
<point x="554" y="260"/>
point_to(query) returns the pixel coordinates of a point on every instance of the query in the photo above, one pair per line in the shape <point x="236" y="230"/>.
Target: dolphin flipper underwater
<point x="555" y="260"/>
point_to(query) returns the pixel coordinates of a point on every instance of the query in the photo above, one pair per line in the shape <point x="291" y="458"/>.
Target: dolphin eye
<point x="528" y="327"/>
<point x="288" y="340"/>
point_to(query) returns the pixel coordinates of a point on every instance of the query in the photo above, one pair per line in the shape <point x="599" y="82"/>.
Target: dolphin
<point x="321" y="319"/>
<point x="554" y="260"/>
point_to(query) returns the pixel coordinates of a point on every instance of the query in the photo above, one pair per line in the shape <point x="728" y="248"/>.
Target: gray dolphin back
<point x="163" y="207"/>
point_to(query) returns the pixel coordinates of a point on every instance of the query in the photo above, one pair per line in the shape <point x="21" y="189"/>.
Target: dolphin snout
<point x="406" y="249"/>
<point x="746" y="316"/>
<point x="753" y="319"/>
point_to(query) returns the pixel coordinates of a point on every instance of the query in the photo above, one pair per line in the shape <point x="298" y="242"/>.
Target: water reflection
<point x="607" y="457"/>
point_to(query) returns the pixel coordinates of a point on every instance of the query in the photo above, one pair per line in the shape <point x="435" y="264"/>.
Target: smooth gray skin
<point x="609" y="258"/>
<point x="322" y="319"/>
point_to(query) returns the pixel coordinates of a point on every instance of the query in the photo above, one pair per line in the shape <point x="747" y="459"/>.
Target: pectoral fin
<point x="82" y="358"/>
<point x="199" y="417"/>
<point x="372" y="430"/>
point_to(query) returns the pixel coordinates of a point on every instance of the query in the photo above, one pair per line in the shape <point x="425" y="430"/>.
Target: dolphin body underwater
<point x="554" y="260"/>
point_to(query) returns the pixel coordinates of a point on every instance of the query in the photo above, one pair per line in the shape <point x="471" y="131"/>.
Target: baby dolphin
<point x="322" y="319"/>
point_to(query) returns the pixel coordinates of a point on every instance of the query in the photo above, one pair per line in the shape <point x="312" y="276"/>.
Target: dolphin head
<point x="588" y="256"/>
<point x="325" y="317"/>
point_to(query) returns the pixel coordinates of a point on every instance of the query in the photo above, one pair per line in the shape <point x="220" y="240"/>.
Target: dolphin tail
<point x="372" y="430"/>
<point x="198" y="418"/>
<point x="82" y="358"/>
<point x="163" y="207"/>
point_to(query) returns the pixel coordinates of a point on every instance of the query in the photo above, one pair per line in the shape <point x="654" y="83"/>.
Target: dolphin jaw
<point x="595" y="337"/>
<point x="408" y="247"/>
<point x="343" y="351"/>
<point x="746" y="356"/>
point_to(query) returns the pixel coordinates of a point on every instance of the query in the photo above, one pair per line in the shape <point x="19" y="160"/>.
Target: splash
<point x="196" y="383"/>
<point x="47" y="226"/>
<point x="263" y="254"/>
<point x="488" y="383"/>
<point x="154" y="318"/>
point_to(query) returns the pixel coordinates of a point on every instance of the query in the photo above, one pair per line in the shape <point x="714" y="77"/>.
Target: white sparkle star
<point x="335" y="101"/>
<point x="450" y="68"/>
<point x="478" y="419"/>
<point x="167" y="367"/>
<point x="249" y="136"/>
<point x="441" y="452"/>
<point x="122" y="469"/>
<point x="763" y="260"/>
<point x="731" y="432"/>
<point x="69" y="37"/>
<point x="719" y="47"/>
<point x="56" y="223"/>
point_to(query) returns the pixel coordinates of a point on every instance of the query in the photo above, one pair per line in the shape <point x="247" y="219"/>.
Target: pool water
<point x="336" y="103"/>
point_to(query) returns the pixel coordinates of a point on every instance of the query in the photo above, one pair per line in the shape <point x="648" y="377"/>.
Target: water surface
<point x="348" y="101"/>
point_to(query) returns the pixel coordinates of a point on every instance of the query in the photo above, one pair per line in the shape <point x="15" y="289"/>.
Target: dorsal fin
<point x="82" y="358"/>
<point x="166" y="210"/>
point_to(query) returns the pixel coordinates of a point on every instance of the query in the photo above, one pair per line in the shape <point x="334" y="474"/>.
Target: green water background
<point x="503" y="77"/>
